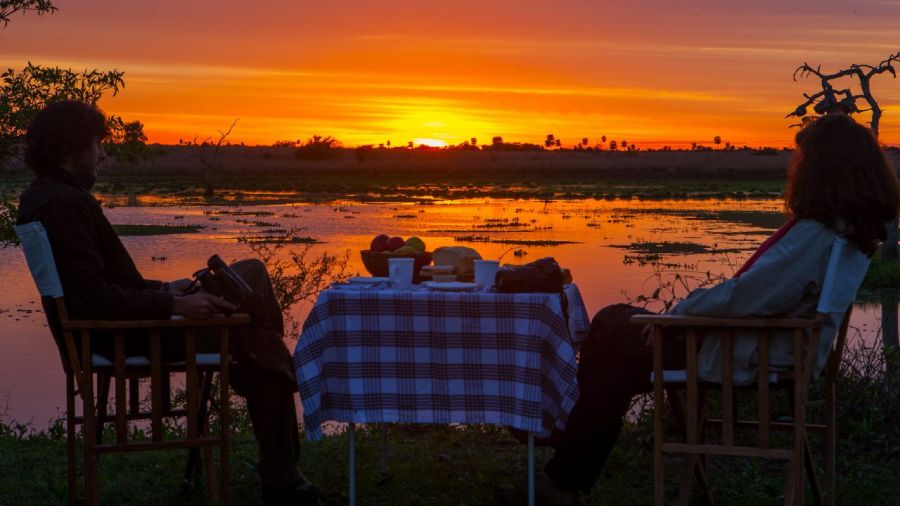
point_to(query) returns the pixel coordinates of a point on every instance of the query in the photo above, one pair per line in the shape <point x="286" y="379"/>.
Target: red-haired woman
<point x="839" y="185"/>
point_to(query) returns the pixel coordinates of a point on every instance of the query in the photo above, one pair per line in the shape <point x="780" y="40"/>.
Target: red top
<point x="781" y="232"/>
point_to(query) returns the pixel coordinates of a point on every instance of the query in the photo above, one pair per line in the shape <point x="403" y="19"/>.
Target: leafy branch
<point x="10" y="7"/>
<point x="8" y="214"/>
<point x="298" y="276"/>
<point x="24" y="93"/>
<point x="674" y="284"/>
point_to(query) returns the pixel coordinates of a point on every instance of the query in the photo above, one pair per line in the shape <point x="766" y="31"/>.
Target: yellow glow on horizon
<point x="431" y="121"/>
<point x="432" y="143"/>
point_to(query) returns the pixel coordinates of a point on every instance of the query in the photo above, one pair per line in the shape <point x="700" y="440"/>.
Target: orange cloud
<point x="650" y="72"/>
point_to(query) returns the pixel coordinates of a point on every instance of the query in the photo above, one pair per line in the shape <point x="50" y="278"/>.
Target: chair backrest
<point x="40" y="260"/>
<point x="846" y="269"/>
<point x="39" y="256"/>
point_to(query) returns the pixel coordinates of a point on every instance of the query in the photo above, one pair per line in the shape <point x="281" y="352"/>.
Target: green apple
<point x="416" y="243"/>
<point x="405" y="250"/>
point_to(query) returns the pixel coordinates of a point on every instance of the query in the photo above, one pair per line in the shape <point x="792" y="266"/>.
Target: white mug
<point x="400" y="270"/>
<point x="486" y="272"/>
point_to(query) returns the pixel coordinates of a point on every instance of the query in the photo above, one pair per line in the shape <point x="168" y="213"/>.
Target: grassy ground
<point x="435" y="465"/>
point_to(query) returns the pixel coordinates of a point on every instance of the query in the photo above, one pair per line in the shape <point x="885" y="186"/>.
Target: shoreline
<point x="267" y="175"/>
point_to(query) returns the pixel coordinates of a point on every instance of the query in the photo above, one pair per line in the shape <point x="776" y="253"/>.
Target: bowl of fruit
<point x="384" y="247"/>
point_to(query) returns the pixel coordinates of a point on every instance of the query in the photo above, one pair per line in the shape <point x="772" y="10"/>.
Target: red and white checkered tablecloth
<point x="420" y="356"/>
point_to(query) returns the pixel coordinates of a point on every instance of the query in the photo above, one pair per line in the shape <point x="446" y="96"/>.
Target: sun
<point x="425" y="121"/>
<point x="425" y="141"/>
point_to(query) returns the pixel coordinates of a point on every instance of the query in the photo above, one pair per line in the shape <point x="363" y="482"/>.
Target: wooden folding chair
<point x="88" y="376"/>
<point x="847" y="267"/>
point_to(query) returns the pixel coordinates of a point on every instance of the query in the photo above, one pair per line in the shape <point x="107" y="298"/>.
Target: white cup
<point x="486" y="272"/>
<point x="400" y="270"/>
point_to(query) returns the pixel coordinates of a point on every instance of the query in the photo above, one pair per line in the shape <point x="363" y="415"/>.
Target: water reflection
<point x="613" y="248"/>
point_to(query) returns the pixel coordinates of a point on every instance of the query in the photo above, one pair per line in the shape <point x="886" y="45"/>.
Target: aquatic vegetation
<point x="668" y="247"/>
<point x="138" y="230"/>
<point x="277" y="239"/>
<point x="515" y="242"/>
<point x="257" y="214"/>
<point x="258" y="223"/>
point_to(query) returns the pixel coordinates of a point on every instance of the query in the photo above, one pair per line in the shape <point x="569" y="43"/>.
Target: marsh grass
<point x="278" y="237"/>
<point x="882" y="274"/>
<point x="513" y="242"/>
<point x="421" y="177"/>
<point x="139" y="230"/>
<point x="766" y="220"/>
<point x="664" y="247"/>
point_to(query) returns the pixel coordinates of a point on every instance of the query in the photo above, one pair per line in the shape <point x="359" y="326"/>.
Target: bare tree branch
<point x="828" y="100"/>
<point x="207" y="153"/>
<point x="226" y="133"/>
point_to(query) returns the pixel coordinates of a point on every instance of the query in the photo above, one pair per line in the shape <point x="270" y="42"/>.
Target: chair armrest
<point x="175" y="322"/>
<point x="706" y="321"/>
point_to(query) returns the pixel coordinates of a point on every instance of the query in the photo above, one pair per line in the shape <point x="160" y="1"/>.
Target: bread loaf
<point x="460" y="257"/>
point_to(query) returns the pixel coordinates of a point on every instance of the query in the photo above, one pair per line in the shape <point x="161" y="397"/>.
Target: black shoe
<point x="302" y="493"/>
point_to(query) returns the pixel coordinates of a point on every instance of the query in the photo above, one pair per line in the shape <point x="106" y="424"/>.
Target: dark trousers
<point x="614" y="365"/>
<point x="262" y="373"/>
<point x="264" y="376"/>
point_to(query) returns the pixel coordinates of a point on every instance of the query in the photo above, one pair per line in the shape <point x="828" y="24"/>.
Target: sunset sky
<point x="366" y="72"/>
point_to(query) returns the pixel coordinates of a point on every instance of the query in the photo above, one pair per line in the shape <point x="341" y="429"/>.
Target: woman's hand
<point x="200" y="305"/>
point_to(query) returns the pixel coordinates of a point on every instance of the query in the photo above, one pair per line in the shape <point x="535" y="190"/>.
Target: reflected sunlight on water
<point x="681" y="236"/>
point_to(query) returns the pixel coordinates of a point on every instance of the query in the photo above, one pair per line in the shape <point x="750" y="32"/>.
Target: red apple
<point x="395" y="243"/>
<point x="379" y="243"/>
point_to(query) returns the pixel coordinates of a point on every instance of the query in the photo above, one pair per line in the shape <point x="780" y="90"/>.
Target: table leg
<point x="384" y="450"/>
<point x="531" y="498"/>
<point x="352" y="433"/>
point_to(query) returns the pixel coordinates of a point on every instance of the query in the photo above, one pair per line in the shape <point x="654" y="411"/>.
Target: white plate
<point x="455" y="286"/>
<point x="365" y="280"/>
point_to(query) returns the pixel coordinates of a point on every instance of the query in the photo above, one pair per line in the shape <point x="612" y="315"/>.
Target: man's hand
<point x="179" y="286"/>
<point x="200" y="305"/>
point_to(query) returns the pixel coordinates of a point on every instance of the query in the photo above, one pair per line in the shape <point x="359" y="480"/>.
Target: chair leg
<point x="102" y="403"/>
<point x="192" y="467"/>
<point x="134" y="396"/>
<point x="89" y="433"/>
<point x="799" y="451"/>
<point x="659" y="464"/>
<point x="70" y="438"/>
<point x="696" y="464"/>
<point x="166" y="387"/>
<point x="205" y="431"/>
<point x="813" y="475"/>
<point x="830" y="438"/>
<point x="677" y="409"/>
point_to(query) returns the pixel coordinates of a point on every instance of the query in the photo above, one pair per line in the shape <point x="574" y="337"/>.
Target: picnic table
<point x="372" y="354"/>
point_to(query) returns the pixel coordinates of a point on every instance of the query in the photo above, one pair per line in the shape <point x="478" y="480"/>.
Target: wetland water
<point x="615" y="249"/>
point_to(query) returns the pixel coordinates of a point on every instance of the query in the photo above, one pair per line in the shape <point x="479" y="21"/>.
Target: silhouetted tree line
<point x="320" y="147"/>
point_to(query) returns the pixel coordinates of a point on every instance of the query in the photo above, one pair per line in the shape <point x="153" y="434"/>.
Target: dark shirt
<point x="98" y="276"/>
